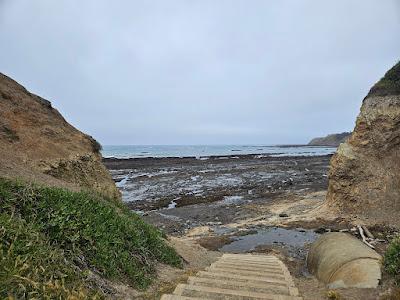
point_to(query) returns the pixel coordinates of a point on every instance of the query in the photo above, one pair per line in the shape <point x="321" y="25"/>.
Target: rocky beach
<point x="181" y="193"/>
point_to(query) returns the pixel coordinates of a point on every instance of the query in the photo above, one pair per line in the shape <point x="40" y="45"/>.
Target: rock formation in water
<point x="37" y="144"/>
<point x="365" y="171"/>
<point x="331" y="140"/>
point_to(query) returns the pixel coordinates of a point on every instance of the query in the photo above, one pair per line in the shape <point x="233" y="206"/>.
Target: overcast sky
<point x="204" y="71"/>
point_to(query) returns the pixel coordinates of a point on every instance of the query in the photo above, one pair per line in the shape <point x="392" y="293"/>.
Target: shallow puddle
<point x="293" y="240"/>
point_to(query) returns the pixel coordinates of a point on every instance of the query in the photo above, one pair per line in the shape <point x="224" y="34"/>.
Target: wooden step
<point x="242" y="286"/>
<point x="250" y="257"/>
<point x="254" y="258"/>
<point x="219" y="293"/>
<point x="239" y="266"/>
<point x="273" y="274"/>
<point x="250" y="263"/>
<point x="265" y="280"/>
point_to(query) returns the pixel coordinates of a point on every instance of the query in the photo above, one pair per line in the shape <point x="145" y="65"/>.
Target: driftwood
<point x="367" y="232"/>
<point x="363" y="237"/>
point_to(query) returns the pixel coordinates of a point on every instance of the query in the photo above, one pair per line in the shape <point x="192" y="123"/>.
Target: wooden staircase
<point x="240" y="277"/>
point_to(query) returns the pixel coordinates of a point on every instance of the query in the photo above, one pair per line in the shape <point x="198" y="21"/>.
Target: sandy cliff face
<point x="36" y="143"/>
<point x="365" y="171"/>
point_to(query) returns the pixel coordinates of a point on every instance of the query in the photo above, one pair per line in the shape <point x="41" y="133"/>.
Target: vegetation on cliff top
<point x="333" y="140"/>
<point x="55" y="243"/>
<point x="389" y="84"/>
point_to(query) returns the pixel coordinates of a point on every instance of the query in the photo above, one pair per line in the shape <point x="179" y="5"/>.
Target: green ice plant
<point x="52" y="238"/>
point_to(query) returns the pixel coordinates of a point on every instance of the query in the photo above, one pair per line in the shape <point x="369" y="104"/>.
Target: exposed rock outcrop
<point x="331" y="140"/>
<point x="365" y="171"/>
<point x="36" y="143"/>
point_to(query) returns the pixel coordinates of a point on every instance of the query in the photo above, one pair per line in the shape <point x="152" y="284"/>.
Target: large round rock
<point x="340" y="260"/>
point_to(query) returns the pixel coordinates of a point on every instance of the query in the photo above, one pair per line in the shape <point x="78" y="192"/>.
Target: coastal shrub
<point x="84" y="230"/>
<point x="96" y="146"/>
<point x="389" y="84"/>
<point x="392" y="259"/>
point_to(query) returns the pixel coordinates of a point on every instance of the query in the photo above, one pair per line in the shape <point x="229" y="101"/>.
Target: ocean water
<point x="204" y="151"/>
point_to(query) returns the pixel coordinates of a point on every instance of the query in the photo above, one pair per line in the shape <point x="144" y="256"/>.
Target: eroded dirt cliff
<point x="365" y="171"/>
<point x="37" y="143"/>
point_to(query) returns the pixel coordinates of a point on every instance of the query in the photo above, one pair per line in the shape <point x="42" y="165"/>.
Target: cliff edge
<point x="364" y="177"/>
<point x="38" y="144"/>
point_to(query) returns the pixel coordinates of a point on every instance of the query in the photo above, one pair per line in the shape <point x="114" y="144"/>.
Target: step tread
<point x="238" y="285"/>
<point x="244" y="278"/>
<point x="185" y="288"/>
<point x="275" y="274"/>
<point x="252" y="263"/>
<point x="245" y="267"/>
<point x="251" y="257"/>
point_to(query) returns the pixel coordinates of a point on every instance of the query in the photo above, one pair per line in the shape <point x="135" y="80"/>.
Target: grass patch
<point x="77" y="232"/>
<point x="392" y="259"/>
<point x="28" y="263"/>
<point x="389" y="84"/>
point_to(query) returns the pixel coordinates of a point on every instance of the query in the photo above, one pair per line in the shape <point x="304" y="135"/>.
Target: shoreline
<point x="207" y="154"/>
<point x="114" y="163"/>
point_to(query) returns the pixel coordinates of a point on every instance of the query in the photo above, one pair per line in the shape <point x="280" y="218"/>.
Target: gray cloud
<point x="199" y="72"/>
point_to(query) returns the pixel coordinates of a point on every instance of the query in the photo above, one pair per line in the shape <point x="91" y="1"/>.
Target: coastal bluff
<point x="364" y="178"/>
<point x="38" y="144"/>
<point x="331" y="140"/>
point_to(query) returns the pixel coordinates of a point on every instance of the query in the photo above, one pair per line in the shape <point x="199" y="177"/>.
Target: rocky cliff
<point x="365" y="172"/>
<point x="331" y="140"/>
<point x="36" y="143"/>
